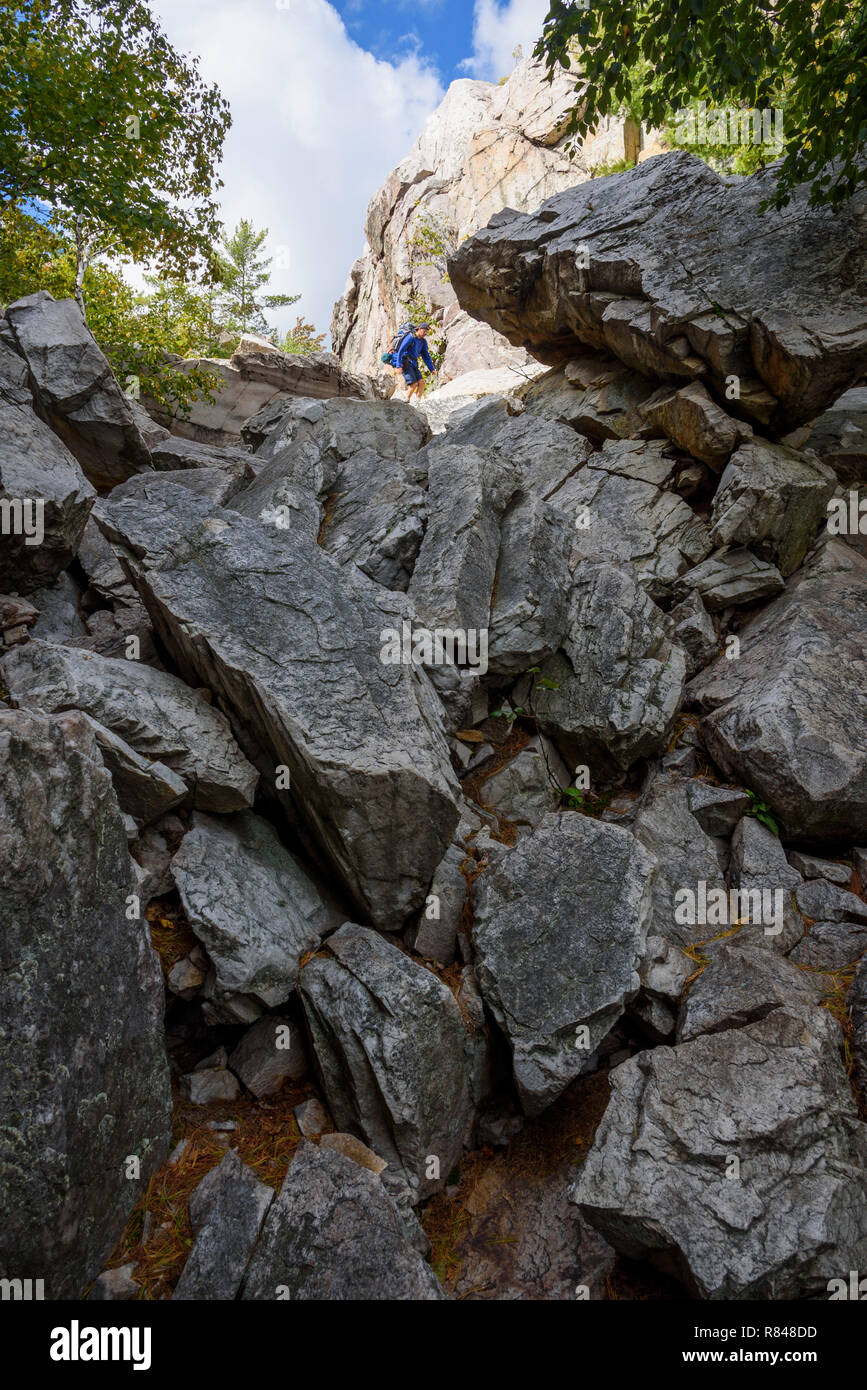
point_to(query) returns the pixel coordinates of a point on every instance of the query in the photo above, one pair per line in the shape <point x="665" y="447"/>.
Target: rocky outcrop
<point x="76" y="388"/>
<point x="486" y="147"/>
<point x="334" y="1233"/>
<point x="559" y="932"/>
<point x="651" y="265"/>
<point x="84" y="1100"/>
<point x="257" y="375"/>
<point x="396" y="1059"/>
<point x="788" y="718"/>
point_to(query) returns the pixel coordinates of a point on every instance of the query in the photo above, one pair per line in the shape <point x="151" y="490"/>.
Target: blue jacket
<point x="411" y="350"/>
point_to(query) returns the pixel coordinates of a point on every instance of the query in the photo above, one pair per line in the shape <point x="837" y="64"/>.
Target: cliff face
<point x="485" y="148"/>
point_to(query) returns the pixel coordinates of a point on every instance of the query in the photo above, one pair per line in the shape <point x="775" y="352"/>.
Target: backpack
<point x="396" y="343"/>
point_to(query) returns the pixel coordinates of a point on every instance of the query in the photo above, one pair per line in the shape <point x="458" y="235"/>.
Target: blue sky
<point x="327" y="96"/>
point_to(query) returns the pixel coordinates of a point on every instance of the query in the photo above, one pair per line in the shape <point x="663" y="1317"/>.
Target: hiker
<point x="412" y="347"/>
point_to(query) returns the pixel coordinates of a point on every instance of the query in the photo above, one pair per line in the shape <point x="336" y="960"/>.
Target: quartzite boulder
<point x="736" y="1160"/>
<point x="154" y="712"/>
<point x="85" y="1082"/>
<point x="773" y="500"/>
<point x="45" y="500"/>
<point x="611" y="694"/>
<point x="250" y="903"/>
<point x="789" y="718"/>
<point x="77" y="389"/>
<point x="559" y="931"/>
<point x="333" y="1233"/>
<point x="293" y="645"/>
<point x="397" y="1062"/>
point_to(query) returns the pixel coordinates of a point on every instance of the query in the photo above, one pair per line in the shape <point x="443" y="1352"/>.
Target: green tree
<point x="137" y="333"/>
<point x="247" y="275"/>
<point x="302" y="339"/>
<point x="650" y="57"/>
<point x="100" y="117"/>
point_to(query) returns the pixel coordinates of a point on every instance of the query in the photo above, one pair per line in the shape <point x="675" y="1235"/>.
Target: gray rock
<point x="154" y="855"/>
<point x="145" y="790"/>
<point x="217" y="485"/>
<point x="528" y="787"/>
<point x="530" y="599"/>
<point x="831" y="945"/>
<point x="742" y="984"/>
<point x="269" y="1053"/>
<point x="45" y="500"/>
<point x="313" y="1119"/>
<point x="209" y="1085"/>
<point x="154" y="712"/>
<point x="434" y="935"/>
<point x="729" y="578"/>
<point x="172" y="453"/>
<point x="789" y="717"/>
<point x="86" y="1083"/>
<point x="115" y="1285"/>
<point x="596" y="395"/>
<point x="659" y="1182"/>
<point x="538" y="454"/>
<point x="689" y="417"/>
<point x="619" y="677"/>
<point x="687" y="856"/>
<point x="250" y="903"/>
<point x="808" y="866"/>
<point x="759" y="866"/>
<point x="826" y="901"/>
<point x="375" y="519"/>
<point x="682" y="276"/>
<point x="59" y="619"/>
<point x="559" y="931"/>
<point x="226" y="1213"/>
<point x="396" y="1061"/>
<point x="334" y="1233"/>
<point x="663" y="972"/>
<point x="859" y="860"/>
<point x="856" y="1000"/>
<point x="839" y="436"/>
<point x="717" y="809"/>
<point x="334" y="430"/>
<point x="100" y="563"/>
<point x="772" y="499"/>
<point x="468" y="494"/>
<point x="695" y="631"/>
<point x="76" y="388"/>
<point x="620" y="511"/>
<point x="293" y="645"/>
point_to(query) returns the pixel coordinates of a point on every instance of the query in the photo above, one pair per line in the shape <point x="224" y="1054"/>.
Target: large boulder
<point x="772" y="499"/>
<point x="789" y="717"/>
<point x="674" y="270"/>
<point x="611" y="694"/>
<point x="159" y="716"/>
<point x="255" y="376"/>
<point x="293" y="645"/>
<point x="250" y="903"/>
<point x="736" y="1160"/>
<point x="397" y="1062"/>
<point x="226" y="1213"/>
<point x="336" y="429"/>
<point x="333" y="1233"/>
<point x="559" y="931"/>
<point x="77" y="389"/>
<point x="45" y="500"/>
<point x="84" y="1082"/>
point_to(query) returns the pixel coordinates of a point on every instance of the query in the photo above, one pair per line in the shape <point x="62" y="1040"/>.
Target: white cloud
<point x="318" y="123"/>
<point x="497" y="29"/>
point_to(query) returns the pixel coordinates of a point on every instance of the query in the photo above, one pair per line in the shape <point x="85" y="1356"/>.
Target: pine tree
<point x="246" y="277"/>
